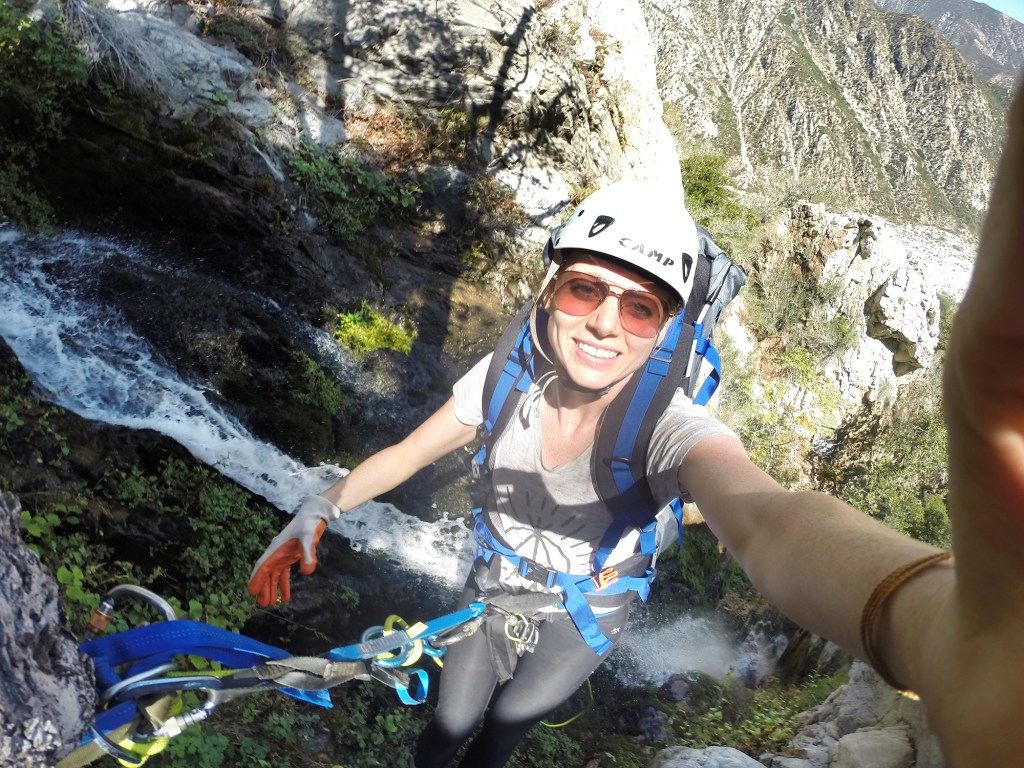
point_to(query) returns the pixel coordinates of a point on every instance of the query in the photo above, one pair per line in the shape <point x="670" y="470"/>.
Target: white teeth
<point x="606" y="354"/>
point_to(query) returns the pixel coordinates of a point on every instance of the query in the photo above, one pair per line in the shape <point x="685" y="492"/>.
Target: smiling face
<point x="595" y="349"/>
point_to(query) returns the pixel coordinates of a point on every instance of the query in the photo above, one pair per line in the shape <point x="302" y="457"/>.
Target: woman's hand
<point x="972" y="675"/>
<point x="271" y="576"/>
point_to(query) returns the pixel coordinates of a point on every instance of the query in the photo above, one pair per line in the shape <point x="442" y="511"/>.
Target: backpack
<point x="620" y="448"/>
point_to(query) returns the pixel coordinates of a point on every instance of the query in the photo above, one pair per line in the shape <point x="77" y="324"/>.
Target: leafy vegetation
<point x="346" y="191"/>
<point x="366" y="329"/>
<point x="894" y="466"/>
<point x="318" y="388"/>
<point x="703" y="568"/>
<point x="763" y="722"/>
<point x="189" y="498"/>
<point x="41" y="71"/>
<point x="715" y="205"/>
<point x="795" y="309"/>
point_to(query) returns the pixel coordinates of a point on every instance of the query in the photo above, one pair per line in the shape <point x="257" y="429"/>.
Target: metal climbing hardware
<point x="139" y="682"/>
<point x="523" y="631"/>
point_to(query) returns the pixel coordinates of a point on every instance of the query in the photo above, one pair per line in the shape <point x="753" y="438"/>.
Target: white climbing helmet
<point x="643" y="224"/>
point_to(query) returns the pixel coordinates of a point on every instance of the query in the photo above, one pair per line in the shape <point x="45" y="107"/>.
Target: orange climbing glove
<point x="297" y="542"/>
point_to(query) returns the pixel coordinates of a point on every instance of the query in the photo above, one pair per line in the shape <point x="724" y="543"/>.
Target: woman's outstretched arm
<point x="954" y="633"/>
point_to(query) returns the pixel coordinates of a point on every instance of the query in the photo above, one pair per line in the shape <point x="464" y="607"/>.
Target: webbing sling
<point x="145" y="648"/>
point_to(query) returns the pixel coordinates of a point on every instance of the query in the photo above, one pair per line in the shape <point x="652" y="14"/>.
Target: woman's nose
<point x="604" y="321"/>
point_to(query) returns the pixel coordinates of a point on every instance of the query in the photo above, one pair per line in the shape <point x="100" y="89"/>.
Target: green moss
<point x="366" y="329"/>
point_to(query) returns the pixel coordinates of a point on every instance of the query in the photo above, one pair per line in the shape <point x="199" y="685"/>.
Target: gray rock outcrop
<point x="712" y="757"/>
<point x="887" y="299"/>
<point x="864" y="724"/>
<point x="46" y="689"/>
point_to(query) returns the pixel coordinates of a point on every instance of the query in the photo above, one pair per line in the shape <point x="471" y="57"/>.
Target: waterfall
<point x="83" y="355"/>
<point x="80" y="351"/>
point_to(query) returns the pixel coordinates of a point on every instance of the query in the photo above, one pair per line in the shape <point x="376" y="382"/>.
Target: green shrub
<point x="266" y="730"/>
<point x="547" y="748"/>
<point x="799" y="311"/>
<point x="894" y="467"/>
<point x="365" y="330"/>
<point x="202" y="576"/>
<point x="318" y="389"/>
<point x="41" y="72"/>
<point x="765" y="722"/>
<point x="345" y="191"/>
<point x="714" y="205"/>
<point x="707" y="572"/>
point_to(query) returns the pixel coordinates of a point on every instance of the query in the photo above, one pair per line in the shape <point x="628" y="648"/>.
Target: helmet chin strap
<point x="538" y="330"/>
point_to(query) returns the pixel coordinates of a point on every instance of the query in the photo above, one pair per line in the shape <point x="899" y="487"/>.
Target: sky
<point x="1014" y="8"/>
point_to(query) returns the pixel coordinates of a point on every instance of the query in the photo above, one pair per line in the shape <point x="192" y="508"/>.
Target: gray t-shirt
<point x="555" y="517"/>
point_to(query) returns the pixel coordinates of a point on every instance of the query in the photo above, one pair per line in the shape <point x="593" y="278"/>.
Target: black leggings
<point x="543" y="679"/>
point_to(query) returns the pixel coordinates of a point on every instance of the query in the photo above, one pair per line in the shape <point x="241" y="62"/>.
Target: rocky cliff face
<point x="992" y="42"/>
<point x="46" y="685"/>
<point x="878" y="107"/>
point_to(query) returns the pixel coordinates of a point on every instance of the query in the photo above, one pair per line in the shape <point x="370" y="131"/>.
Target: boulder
<point x="712" y="757"/>
<point x="904" y="315"/>
<point x="875" y="748"/>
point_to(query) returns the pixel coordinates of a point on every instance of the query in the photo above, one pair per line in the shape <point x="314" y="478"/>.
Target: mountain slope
<point x="992" y="42"/>
<point x="877" y="106"/>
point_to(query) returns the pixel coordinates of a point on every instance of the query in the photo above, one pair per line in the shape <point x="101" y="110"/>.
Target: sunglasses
<point x="642" y="313"/>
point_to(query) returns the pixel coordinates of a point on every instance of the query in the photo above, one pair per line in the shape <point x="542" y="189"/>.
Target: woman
<point x="953" y="632"/>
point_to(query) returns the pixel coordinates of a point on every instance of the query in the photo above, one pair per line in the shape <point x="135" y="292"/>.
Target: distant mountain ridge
<point x="877" y="106"/>
<point x="992" y="42"/>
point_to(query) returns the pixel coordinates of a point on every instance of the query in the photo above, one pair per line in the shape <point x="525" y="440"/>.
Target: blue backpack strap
<point x="717" y="287"/>
<point x="706" y="350"/>
<point x="621" y="451"/>
<point x="620" y="465"/>
<point x="512" y="369"/>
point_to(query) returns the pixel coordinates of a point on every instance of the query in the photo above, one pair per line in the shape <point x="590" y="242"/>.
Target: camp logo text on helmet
<point x="658" y="256"/>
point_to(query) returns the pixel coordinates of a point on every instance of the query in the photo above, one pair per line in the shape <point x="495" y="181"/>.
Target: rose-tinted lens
<point x="580" y="296"/>
<point x="641" y="312"/>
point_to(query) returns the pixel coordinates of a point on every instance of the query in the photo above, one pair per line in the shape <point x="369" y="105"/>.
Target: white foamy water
<point x="695" y="642"/>
<point x="691" y="643"/>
